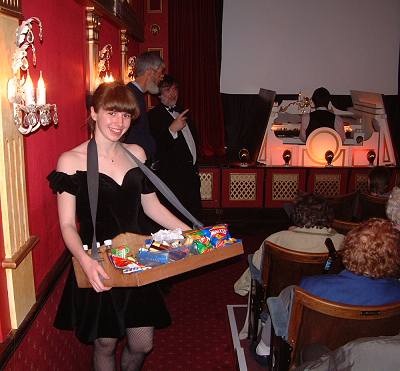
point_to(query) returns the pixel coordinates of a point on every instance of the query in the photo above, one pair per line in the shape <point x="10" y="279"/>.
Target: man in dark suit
<point x="149" y="71"/>
<point x="321" y="117"/>
<point x="175" y="137"/>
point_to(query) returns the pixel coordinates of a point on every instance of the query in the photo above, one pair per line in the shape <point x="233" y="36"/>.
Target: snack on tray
<point x="147" y="257"/>
<point x="126" y="265"/>
<point x="165" y="235"/>
<point x="208" y="237"/>
<point x="120" y="251"/>
<point x="168" y="246"/>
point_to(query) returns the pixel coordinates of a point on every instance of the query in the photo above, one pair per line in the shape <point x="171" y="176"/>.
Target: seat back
<point x="283" y="267"/>
<point x="343" y="226"/>
<point x="371" y="206"/>
<point x="345" y="206"/>
<point x="315" y="320"/>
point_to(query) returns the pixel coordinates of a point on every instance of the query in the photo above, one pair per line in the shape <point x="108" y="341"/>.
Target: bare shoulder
<point x="136" y="151"/>
<point x="75" y="159"/>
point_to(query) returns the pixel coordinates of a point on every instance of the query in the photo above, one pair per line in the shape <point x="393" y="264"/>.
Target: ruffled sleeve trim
<point x="61" y="182"/>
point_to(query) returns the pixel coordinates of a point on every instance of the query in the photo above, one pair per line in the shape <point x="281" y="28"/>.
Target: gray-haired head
<point x="146" y="61"/>
<point x="393" y="206"/>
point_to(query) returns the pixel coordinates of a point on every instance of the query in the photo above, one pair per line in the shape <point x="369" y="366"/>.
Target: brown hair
<point x="113" y="96"/>
<point x="312" y="210"/>
<point x="372" y="249"/>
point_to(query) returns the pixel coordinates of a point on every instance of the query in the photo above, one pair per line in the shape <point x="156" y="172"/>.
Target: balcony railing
<point x="11" y="7"/>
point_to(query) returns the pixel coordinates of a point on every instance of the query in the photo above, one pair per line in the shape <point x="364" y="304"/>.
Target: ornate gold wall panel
<point x="14" y="210"/>
<point x="123" y="37"/>
<point x="92" y="38"/>
<point x="11" y="7"/>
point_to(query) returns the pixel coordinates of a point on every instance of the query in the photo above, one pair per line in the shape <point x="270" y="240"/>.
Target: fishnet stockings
<point x="104" y="354"/>
<point x="139" y="342"/>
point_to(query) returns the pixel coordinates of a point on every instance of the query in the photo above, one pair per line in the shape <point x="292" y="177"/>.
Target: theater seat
<point x="314" y="320"/>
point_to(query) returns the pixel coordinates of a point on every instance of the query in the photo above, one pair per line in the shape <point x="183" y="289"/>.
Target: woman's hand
<point x="95" y="273"/>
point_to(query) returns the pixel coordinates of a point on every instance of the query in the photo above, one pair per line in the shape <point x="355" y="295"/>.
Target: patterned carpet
<point x="198" y="339"/>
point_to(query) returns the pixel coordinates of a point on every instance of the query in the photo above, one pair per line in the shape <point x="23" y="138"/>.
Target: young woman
<point x="102" y="315"/>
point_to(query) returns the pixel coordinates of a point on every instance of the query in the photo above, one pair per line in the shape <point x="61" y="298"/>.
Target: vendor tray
<point x="134" y="242"/>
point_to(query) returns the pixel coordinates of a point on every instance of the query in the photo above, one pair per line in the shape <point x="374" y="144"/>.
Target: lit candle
<point x="29" y="91"/>
<point x="41" y="91"/>
<point x="11" y="90"/>
<point x="108" y="77"/>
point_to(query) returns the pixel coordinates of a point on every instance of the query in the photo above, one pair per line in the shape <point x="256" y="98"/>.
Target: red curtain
<point x="194" y="59"/>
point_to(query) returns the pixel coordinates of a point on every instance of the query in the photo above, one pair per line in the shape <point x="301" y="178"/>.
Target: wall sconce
<point x="329" y="157"/>
<point x="244" y="157"/>
<point x="371" y="156"/>
<point x="131" y="68"/>
<point x="104" y="72"/>
<point x="28" y="114"/>
<point x="287" y="156"/>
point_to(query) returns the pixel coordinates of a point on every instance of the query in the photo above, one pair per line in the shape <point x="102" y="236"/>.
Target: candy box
<point x="135" y="242"/>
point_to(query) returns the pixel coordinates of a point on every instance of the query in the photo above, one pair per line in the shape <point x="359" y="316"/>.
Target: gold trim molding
<point x="93" y="23"/>
<point x="12" y="8"/>
<point x="14" y="207"/>
<point x="124" y="40"/>
<point x="19" y="256"/>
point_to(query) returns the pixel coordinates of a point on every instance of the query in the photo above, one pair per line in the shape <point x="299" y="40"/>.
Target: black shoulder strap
<point x="93" y="189"/>
<point x="166" y="192"/>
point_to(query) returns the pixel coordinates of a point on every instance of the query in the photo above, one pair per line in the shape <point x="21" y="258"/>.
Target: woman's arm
<point x="160" y="214"/>
<point x="66" y="215"/>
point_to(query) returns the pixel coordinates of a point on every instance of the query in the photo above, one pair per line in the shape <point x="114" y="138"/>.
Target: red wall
<point x="159" y="40"/>
<point x="61" y="58"/>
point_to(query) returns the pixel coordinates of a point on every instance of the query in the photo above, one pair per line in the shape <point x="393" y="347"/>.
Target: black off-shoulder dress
<point x="95" y="315"/>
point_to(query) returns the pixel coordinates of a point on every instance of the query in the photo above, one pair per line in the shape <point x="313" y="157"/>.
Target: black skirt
<point x="108" y="314"/>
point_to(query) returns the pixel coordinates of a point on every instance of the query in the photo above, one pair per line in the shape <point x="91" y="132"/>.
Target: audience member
<point x="149" y="70"/>
<point x="311" y="218"/>
<point x="321" y="117"/>
<point x="175" y="137"/>
<point x="393" y="207"/>
<point x="378" y="181"/>
<point x="371" y="257"/>
<point x="372" y="353"/>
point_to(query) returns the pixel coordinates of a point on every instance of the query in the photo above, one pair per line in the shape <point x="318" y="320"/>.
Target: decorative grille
<point x="361" y="182"/>
<point x="242" y="186"/>
<point x="284" y="186"/>
<point x="327" y="185"/>
<point x="206" y="185"/>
